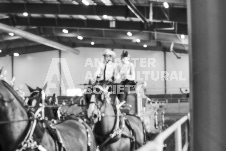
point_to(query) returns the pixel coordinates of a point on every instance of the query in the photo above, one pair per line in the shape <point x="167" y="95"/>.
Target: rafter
<point x="92" y="24"/>
<point x="98" y="10"/>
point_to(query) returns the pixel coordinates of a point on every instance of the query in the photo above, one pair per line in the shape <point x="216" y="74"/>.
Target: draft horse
<point x="113" y="130"/>
<point x="23" y="130"/>
<point x="34" y="101"/>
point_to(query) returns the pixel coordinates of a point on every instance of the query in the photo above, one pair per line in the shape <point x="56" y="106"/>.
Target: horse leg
<point x="137" y="126"/>
<point x="48" y="143"/>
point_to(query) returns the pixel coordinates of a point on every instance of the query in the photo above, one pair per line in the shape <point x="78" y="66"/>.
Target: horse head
<point x="97" y="98"/>
<point x="11" y="110"/>
<point x="38" y="98"/>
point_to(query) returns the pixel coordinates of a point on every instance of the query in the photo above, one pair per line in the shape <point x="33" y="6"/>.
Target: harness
<point x="118" y="130"/>
<point x="29" y="141"/>
<point x="32" y="141"/>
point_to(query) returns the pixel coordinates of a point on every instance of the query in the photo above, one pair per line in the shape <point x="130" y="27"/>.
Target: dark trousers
<point x="128" y="86"/>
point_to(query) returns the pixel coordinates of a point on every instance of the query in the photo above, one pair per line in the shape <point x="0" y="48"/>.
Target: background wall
<point x="179" y="66"/>
<point x="6" y="63"/>
<point x="37" y="68"/>
<point x="83" y="66"/>
<point x="32" y="69"/>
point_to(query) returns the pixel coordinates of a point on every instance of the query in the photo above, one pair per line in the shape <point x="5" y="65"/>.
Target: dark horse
<point x="23" y="130"/>
<point x="113" y="130"/>
<point x="34" y="101"/>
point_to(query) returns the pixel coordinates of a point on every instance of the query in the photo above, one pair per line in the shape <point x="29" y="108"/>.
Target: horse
<point x="35" y="100"/>
<point x="112" y="130"/>
<point x="21" y="129"/>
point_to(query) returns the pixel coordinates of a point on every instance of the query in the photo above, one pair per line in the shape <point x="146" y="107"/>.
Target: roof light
<point x="25" y="14"/>
<point x="129" y="34"/>
<point x="11" y="34"/>
<point x="92" y="43"/>
<point x="182" y="36"/>
<point x="74" y="2"/>
<point x="105" y="16"/>
<point x="138" y="40"/>
<point x="0" y="50"/>
<point x="80" y="37"/>
<point x="166" y="5"/>
<point x="16" y="54"/>
<point x="145" y="46"/>
<point x="85" y="2"/>
<point x="65" y="31"/>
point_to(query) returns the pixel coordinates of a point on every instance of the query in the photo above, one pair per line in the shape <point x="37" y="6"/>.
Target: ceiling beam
<point x="24" y="47"/>
<point x="26" y="50"/>
<point x="136" y="12"/>
<point x="99" y="10"/>
<point x="97" y="24"/>
<point x="183" y="2"/>
<point x="94" y="34"/>
<point x="42" y="48"/>
<point x="37" y="39"/>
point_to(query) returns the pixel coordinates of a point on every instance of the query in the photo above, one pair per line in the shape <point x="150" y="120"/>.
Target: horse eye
<point x="95" y="116"/>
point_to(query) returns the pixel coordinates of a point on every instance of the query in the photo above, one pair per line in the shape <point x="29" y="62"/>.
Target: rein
<point x="28" y="141"/>
<point x="117" y="130"/>
<point x="16" y="121"/>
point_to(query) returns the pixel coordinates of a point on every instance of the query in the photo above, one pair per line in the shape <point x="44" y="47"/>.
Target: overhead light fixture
<point x="0" y="50"/>
<point x="25" y="14"/>
<point x="166" y="5"/>
<point x="16" y="54"/>
<point x="105" y="16"/>
<point x="182" y="36"/>
<point x="11" y="34"/>
<point x="129" y="34"/>
<point x="65" y="31"/>
<point x="92" y="43"/>
<point x="74" y="2"/>
<point x="112" y="23"/>
<point x="145" y="46"/>
<point x="85" y="2"/>
<point x="138" y="40"/>
<point x="107" y="2"/>
<point x="80" y="37"/>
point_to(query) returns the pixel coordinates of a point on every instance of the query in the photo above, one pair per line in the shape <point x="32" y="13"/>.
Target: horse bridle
<point x="32" y="118"/>
<point x="104" y="96"/>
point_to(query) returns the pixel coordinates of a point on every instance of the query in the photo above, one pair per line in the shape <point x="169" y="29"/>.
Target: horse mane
<point x="13" y="91"/>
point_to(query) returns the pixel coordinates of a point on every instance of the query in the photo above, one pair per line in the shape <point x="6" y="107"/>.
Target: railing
<point x="158" y="143"/>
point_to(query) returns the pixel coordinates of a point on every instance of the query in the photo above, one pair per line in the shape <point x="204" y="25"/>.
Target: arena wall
<point x="157" y="70"/>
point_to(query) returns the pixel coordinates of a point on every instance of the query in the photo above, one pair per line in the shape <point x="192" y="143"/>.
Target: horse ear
<point x="45" y="86"/>
<point x="30" y="89"/>
<point x="53" y="98"/>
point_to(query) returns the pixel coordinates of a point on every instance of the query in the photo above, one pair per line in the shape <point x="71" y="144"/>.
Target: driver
<point x="107" y="70"/>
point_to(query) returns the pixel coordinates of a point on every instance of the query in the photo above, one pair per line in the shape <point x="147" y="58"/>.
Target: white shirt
<point x="110" y="71"/>
<point x="127" y="71"/>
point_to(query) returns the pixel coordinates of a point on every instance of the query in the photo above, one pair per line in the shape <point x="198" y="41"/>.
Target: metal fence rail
<point x="158" y="143"/>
